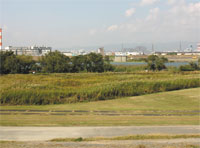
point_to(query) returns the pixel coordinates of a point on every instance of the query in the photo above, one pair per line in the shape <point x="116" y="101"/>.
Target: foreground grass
<point x="131" y="137"/>
<point x="41" y="89"/>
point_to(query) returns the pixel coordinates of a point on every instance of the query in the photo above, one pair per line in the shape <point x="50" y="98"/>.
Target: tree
<point x="78" y="63"/>
<point x="94" y="62"/>
<point x="26" y="63"/>
<point x="191" y="67"/>
<point x="156" y="63"/>
<point x="107" y="65"/>
<point x="12" y="64"/>
<point x="3" y="57"/>
<point x="55" y="62"/>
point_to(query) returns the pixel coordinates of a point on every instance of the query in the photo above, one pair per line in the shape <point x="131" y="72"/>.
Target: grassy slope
<point x="188" y="99"/>
<point x="175" y="100"/>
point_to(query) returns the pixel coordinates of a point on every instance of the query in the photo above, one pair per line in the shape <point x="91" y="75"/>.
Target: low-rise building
<point x="119" y="58"/>
<point x="31" y="51"/>
<point x="178" y="53"/>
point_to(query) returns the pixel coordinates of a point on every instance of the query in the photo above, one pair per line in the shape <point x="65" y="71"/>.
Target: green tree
<point x="3" y="56"/>
<point x="55" y="62"/>
<point x="78" y="63"/>
<point x="191" y="67"/>
<point x="94" y="62"/>
<point x="26" y="63"/>
<point x="12" y="64"/>
<point x="156" y="63"/>
<point x="107" y="65"/>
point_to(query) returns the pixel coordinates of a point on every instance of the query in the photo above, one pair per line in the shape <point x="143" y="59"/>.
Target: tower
<point x="0" y="38"/>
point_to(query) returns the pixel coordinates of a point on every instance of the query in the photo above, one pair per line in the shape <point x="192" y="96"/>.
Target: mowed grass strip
<point x="181" y="100"/>
<point x="95" y="120"/>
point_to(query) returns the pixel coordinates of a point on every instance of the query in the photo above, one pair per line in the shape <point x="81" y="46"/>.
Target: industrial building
<point x="121" y="58"/>
<point x="31" y="51"/>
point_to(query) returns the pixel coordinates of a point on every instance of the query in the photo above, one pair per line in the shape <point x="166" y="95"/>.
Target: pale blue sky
<point x="69" y="23"/>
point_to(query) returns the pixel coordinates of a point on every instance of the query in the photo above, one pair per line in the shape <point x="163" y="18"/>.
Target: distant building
<point x="32" y="51"/>
<point x="101" y="51"/>
<point x="110" y="53"/>
<point x="69" y="54"/>
<point x="134" y="53"/>
<point x="120" y="58"/>
<point x="120" y="53"/>
<point x="178" y="53"/>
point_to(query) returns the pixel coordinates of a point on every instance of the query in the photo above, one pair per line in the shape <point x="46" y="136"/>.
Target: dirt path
<point x="47" y="133"/>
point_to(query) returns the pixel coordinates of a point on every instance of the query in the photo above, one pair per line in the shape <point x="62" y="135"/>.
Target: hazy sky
<point x="68" y="23"/>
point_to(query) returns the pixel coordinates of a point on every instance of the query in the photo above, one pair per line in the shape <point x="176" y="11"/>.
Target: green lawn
<point x="181" y="100"/>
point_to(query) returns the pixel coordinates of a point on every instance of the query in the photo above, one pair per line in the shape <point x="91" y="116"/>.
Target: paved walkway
<point x="47" y="133"/>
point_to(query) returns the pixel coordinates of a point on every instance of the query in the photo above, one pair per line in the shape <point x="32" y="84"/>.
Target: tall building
<point x="101" y="51"/>
<point x="0" y="38"/>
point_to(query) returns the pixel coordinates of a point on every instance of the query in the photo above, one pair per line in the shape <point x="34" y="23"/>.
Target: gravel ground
<point x="172" y="143"/>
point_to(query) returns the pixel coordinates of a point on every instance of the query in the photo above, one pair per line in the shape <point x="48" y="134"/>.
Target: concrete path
<point x="47" y="133"/>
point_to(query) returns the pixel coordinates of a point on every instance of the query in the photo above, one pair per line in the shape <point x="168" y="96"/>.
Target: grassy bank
<point x="173" y="102"/>
<point x="69" y="88"/>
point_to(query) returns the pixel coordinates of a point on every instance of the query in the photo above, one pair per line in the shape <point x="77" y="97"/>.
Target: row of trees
<point x="54" y="62"/>
<point x="10" y="63"/>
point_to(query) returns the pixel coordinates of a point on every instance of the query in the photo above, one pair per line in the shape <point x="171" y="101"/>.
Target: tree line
<point x="53" y="62"/>
<point x="56" y="62"/>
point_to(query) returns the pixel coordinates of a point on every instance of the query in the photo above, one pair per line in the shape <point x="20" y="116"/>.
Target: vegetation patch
<point x="42" y="89"/>
<point x="131" y="137"/>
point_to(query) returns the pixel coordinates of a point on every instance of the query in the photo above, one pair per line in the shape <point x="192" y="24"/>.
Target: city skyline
<point x="66" y="24"/>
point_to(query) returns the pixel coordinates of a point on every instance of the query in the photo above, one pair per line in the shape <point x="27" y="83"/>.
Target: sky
<point x="84" y="23"/>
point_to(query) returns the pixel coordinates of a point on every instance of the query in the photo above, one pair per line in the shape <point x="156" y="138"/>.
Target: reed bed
<point x="42" y="89"/>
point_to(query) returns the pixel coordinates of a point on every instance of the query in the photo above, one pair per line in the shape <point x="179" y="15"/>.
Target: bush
<point x="191" y="67"/>
<point x="156" y="63"/>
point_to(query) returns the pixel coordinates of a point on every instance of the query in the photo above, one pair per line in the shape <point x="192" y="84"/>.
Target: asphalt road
<point x="47" y="133"/>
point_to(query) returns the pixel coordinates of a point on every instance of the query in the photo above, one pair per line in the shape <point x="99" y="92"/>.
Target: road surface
<point x="48" y="133"/>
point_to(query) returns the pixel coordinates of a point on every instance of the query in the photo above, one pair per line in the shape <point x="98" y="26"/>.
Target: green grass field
<point x="179" y="101"/>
